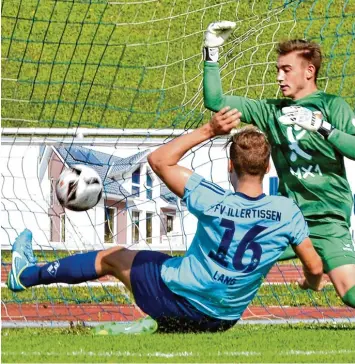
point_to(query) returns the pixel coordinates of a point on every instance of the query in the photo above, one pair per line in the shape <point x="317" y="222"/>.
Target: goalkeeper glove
<point x="306" y="119"/>
<point x="215" y="36"/>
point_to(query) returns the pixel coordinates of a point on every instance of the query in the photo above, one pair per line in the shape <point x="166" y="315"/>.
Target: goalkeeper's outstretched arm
<point x="215" y="36"/>
<point x="253" y="112"/>
<point x="213" y="96"/>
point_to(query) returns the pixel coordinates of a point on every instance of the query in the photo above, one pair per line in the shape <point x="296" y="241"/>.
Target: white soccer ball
<point x="79" y="188"/>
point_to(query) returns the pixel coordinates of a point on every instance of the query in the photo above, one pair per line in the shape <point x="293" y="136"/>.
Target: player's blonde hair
<point x="249" y="152"/>
<point x="309" y="51"/>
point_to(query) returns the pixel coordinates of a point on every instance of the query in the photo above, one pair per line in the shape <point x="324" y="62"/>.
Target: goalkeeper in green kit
<point x="310" y="132"/>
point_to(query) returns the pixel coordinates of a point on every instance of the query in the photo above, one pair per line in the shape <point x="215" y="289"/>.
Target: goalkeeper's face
<point x="293" y="75"/>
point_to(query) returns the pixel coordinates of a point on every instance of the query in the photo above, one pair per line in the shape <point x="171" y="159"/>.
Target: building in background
<point x="135" y="209"/>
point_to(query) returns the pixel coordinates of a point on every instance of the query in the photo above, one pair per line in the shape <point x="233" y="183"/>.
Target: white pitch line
<point x="176" y="354"/>
<point x="102" y="353"/>
<point x="120" y="284"/>
<point x="317" y="352"/>
<point x="85" y="284"/>
<point x="14" y="324"/>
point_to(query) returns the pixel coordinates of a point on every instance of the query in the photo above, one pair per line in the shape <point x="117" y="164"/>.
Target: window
<point x="149" y="220"/>
<point x="169" y="223"/>
<point x="135" y="226"/>
<point x="136" y="180"/>
<point x="274" y="184"/>
<point x="110" y="224"/>
<point x="62" y="227"/>
<point x="51" y="228"/>
<point x="51" y="195"/>
<point x="42" y="149"/>
<point x="149" y="186"/>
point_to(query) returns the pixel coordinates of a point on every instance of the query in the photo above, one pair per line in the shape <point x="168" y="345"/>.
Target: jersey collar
<point x="241" y="194"/>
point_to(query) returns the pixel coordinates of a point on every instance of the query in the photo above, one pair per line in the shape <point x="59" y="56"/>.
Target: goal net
<point x="105" y="82"/>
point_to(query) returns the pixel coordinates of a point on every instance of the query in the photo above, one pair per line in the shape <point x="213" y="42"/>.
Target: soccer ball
<point x="79" y="188"/>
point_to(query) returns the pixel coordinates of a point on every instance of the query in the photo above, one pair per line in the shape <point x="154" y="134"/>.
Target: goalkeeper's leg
<point x="334" y="244"/>
<point x="343" y="279"/>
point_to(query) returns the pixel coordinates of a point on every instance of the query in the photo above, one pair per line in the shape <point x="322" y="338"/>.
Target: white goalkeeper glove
<point x="215" y="36"/>
<point x="306" y="119"/>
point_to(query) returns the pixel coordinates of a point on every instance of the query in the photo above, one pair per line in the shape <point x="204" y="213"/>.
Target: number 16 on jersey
<point x="247" y="243"/>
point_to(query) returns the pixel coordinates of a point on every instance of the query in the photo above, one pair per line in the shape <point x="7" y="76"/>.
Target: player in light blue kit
<point x="239" y="236"/>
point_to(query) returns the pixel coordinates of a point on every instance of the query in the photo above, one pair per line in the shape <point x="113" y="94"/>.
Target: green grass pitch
<point x="244" y="343"/>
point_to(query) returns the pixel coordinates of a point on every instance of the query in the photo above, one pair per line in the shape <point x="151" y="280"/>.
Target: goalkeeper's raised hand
<point x="306" y="119"/>
<point x="215" y="36"/>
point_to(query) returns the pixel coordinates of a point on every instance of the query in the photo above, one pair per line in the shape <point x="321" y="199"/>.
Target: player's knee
<point x="349" y="297"/>
<point x="102" y="264"/>
<point x="114" y="261"/>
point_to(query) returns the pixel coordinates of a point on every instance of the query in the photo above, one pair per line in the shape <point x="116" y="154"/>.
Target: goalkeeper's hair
<point x="249" y="152"/>
<point x="309" y="51"/>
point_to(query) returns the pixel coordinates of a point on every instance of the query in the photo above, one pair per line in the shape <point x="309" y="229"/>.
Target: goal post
<point x="103" y="83"/>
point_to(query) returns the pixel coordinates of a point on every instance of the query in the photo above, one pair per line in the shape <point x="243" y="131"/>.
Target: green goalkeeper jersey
<point x="310" y="169"/>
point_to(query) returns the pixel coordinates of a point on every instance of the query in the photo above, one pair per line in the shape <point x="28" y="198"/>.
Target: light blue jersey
<point x="237" y="241"/>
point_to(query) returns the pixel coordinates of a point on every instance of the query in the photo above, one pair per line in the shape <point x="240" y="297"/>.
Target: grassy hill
<point x="138" y="64"/>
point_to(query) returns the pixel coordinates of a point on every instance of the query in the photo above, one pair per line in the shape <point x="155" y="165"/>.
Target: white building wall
<point x="24" y="203"/>
<point x="85" y="230"/>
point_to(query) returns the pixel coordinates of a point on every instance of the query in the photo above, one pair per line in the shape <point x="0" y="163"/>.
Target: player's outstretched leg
<point x="77" y="268"/>
<point x="25" y="273"/>
<point x="73" y="269"/>
<point x="22" y="258"/>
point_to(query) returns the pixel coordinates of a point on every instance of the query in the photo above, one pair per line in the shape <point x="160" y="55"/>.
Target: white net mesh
<point x="78" y="65"/>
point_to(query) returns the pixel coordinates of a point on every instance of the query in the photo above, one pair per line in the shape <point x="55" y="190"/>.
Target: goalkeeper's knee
<point x="349" y="297"/>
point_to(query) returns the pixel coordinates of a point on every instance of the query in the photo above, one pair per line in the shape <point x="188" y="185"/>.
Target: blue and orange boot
<point x="22" y="257"/>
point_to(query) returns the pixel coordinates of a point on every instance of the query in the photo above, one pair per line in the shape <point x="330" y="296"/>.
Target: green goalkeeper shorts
<point x="332" y="241"/>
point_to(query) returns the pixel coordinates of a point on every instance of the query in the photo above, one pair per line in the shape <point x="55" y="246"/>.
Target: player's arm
<point x="302" y="245"/>
<point x="339" y="131"/>
<point x="312" y="265"/>
<point x="342" y="137"/>
<point x="344" y="143"/>
<point x="164" y="160"/>
<point x="253" y="112"/>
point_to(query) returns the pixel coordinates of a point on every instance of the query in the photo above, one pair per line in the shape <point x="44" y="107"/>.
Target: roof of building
<point x="168" y="196"/>
<point x="131" y="163"/>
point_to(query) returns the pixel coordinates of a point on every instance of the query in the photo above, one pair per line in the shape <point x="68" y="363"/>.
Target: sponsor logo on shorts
<point x="52" y="269"/>
<point x="348" y="247"/>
